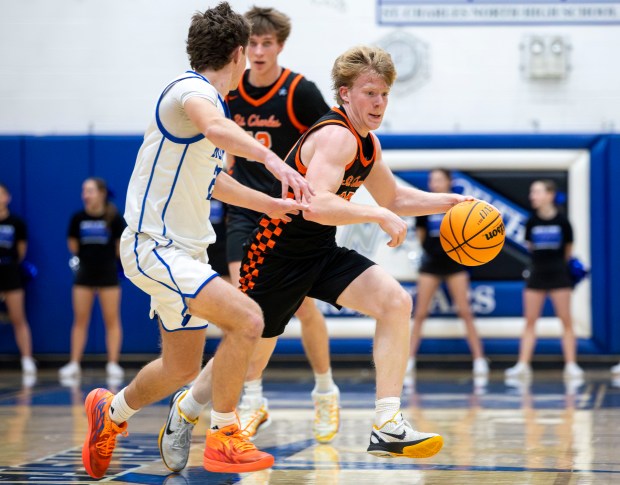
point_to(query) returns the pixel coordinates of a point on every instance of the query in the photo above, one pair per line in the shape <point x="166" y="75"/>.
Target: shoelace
<point x="105" y="445"/>
<point x="240" y="440"/>
<point x="326" y="411"/>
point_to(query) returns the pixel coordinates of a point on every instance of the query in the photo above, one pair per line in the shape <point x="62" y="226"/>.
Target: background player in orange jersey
<point x="276" y="106"/>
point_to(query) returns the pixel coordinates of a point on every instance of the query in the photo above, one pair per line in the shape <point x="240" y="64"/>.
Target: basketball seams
<point x="478" y="233"/>
<point x="443" y="238"/>
<point x="466" y="219"/>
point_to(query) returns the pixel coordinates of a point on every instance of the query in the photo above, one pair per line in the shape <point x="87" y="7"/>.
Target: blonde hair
<point x="358" y="60"/>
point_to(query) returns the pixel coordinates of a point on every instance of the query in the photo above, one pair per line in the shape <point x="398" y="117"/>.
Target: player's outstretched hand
<point x="289" y="178"/>
<point x="394" y="226"/>
<point x="282" y="207"/>
<point x="458" y="198"/>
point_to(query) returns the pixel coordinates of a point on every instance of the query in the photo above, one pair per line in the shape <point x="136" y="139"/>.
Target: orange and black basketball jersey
<point x="276" y="116"/>
<point x="301" y="238"/>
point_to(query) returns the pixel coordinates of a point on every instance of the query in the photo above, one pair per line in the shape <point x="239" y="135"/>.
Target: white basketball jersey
<point x="171" y="185"/>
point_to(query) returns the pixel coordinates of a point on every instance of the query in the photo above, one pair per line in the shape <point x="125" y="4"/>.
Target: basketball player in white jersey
<point x="163" y="249"/>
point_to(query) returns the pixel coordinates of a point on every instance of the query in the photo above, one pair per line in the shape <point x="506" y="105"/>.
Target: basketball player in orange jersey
<point x="276" y="106"/>
<point x="437" y="266"/>
<point x="289" y="261"/>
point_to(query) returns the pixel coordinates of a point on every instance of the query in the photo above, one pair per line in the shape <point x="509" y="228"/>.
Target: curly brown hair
<point x="267" y="21"/>
<point x="214" y="35"/>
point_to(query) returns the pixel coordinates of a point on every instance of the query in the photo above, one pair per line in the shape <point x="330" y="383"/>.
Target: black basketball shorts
<point x="281" y="284"/>
<point x="97" y="277"/>
<point x="10" y="277"/>
<point x="439" y="265"/>
<point x="240" y="224"/>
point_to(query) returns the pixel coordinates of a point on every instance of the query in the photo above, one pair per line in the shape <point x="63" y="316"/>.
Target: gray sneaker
<point x="175" y="438"/>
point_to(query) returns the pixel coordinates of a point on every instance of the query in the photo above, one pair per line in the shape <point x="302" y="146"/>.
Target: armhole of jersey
<point x="289" y="105"/>
<point x="299" y="164"/>
<point x="160" y="125"/>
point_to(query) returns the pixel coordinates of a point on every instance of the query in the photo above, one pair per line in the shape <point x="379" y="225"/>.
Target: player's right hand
<point x="282" y="207"/>
<point x="394" y="227"/>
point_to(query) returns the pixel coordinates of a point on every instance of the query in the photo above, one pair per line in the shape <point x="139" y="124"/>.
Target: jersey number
<point x="264" y="137"/>
<point x="216" y="172"/>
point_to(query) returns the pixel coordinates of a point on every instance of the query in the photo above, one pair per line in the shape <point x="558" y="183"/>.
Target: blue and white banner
<point x="497" y="12"/>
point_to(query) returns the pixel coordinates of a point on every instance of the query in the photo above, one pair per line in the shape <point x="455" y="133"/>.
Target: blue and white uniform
<point x="163" y="249"/>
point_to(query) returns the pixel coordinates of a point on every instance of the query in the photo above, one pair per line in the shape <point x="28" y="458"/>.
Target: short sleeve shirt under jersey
<point x="431" y="224"/>
<point x="548" y="239"/>
<point x="12" y="231"/>
<point x="97" y="238"/>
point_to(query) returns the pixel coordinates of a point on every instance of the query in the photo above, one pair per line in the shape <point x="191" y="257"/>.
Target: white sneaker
<point x="481" y="367"/>
<point x="67" y="371"/>
<point x="326" y="414"/>
<point x="410" y="365"/>
<point x="114" y="371"/>
<point x="573" y="371"/>
<point x="29" y="368"/>
<point x="175" y="438"/>
<point x="253" y="415"/>
<point x="615" y="369"/>
<point x="396" y="438"/>
<point x="520" y="370"/>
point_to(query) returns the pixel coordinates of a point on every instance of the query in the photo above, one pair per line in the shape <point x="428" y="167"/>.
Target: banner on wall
<point x="497" y="12"/>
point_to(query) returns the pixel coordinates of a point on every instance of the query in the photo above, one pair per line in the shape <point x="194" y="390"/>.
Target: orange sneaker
<point x="102" y="431"/>
<point x="229" y="450"/>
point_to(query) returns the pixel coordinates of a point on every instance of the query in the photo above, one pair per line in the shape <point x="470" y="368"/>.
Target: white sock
<point x="385" y="409"/>
<point x="190" y="407"/>
<point x="324" y="383"/>
<point x="119" y="409"/>
<point x="253" y="391"/>
<point x="221" y="420"/>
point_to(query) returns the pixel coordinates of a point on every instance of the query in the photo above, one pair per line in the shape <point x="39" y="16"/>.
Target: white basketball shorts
<point x="169" y="275"/>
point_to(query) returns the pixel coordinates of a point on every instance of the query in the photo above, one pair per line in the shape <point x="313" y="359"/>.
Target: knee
<point x="396" y="302"/>
<point x="251" y="325"/>
<point x="307" y="313"/>
<point x="182" y="371"/>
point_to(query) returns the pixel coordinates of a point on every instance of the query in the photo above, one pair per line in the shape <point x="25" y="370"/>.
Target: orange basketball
<point x="472" y="232"/>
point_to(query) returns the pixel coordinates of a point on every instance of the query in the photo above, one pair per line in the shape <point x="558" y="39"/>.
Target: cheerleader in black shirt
<point x="12" y="252"/>
<point x="94" y="236"/>
<point x="550" y="238"/>
<point x="437" y="267"/>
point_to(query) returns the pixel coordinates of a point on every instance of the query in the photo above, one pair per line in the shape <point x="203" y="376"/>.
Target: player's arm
<point x="225" y="133"/>
<point x="331" y="149"/>
<point x="405" y="201"/>
<point x="22" y="247"/>
<point x="73" y="245"/>
<point x="229" y="191"/>
<point x="568" y="251"/>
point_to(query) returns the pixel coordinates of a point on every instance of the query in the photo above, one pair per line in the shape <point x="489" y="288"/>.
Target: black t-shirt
<point x="96" y="238"/>
<point x="548" y="239"/>
<point x="431" y="224"/>
<point x="12" y="230"/>
<point x="275" y="115"/>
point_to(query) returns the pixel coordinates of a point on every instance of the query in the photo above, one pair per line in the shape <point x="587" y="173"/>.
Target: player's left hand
<point x="282" y="207"/>
<point x="289" y="178"/>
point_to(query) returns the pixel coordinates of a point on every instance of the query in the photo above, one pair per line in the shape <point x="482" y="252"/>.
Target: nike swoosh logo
<point x="168" y="430"/>
<point x="397" y="436"/>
